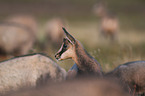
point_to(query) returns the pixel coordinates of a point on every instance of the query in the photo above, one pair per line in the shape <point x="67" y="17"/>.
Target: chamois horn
<point x="71" y="38"/>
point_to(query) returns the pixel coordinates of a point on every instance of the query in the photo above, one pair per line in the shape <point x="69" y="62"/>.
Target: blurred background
<point x="112" y="31"/>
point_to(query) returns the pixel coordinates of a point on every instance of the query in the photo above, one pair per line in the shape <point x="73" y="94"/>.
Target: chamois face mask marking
<point x="64" y="51"/>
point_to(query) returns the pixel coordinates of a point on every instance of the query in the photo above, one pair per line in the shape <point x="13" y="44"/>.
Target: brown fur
<point x="109" y="22"/>
<point x="26" y="20"/>
<point x="17" y="35"/>
<point x="85" y="62"/>
<point x="28" y="71"/>
<point x="74" y="50"/>
<point x="53" y="32"/>
<point x="80" y="87"/>
<point x="131" y="73"/>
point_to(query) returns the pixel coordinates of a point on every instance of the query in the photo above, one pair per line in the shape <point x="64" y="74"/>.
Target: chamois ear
<point x="71" y="38"/>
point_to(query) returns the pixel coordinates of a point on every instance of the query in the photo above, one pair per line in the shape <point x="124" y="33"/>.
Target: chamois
<point x="25" y="20"/>
<point x="17" y="35"/>
<point x="28" y="71"/>
<point x="78" y="87"/>
<point x="72" y="48"/>
<point x="109" y="22"/>
<point x="72" y="72"/>
<point x="54" y="33"/>
<point x="131" y="73"/>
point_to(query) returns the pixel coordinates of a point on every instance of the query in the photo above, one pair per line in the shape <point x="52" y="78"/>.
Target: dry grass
<point x="129" y="47"/>
<point x="84" y="26"/>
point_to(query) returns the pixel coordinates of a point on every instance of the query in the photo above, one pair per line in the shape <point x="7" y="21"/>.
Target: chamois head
<point x="67" y="48"/>
<point x="100" y="9"/>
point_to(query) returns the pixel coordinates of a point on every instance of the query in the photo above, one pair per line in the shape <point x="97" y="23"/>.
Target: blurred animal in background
<point x="131" y="73"/>
<point x="54" y="33"/>
<point x="79" y="87"/>
<point x="29" y="71"/>
<point x="72" y="48"/>
<point x="109" y="26"/>
<point x="17" y="35"/>
<point x="25" y="20"/>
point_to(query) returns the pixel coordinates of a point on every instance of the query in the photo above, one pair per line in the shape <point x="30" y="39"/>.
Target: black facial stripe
<point x="65" y="46"/>
<point x="62" y="51"/>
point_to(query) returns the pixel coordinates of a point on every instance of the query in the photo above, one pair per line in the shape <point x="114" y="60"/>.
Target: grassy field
<point x="129" y="47"/>
<point x="84" y="26"/>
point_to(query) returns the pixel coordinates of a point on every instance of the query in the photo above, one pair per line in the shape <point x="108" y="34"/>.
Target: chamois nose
<point x="57" y="56"/>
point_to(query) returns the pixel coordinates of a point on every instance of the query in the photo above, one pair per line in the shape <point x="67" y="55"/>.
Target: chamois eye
<point x="65" y="46"/>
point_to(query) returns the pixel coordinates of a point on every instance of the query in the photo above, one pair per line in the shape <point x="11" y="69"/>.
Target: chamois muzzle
<point x="57" y="56"/>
